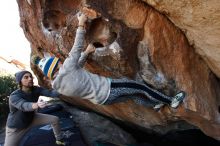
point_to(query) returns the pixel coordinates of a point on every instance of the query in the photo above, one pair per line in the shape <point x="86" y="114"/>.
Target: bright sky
<point x="13" y="42"/>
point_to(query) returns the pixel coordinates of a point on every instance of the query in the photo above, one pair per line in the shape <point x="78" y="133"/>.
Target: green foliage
<point x="7" y="85"/>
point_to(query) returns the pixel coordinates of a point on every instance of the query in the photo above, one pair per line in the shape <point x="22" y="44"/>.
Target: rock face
<point x="171" y="45"/>
<point x="199" y="20"/>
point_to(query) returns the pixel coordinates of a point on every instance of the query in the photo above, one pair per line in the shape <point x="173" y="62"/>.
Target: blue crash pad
<point x="43" y="135"/>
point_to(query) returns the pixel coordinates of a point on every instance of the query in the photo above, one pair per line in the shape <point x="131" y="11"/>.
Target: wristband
<point x="81" y="26"/>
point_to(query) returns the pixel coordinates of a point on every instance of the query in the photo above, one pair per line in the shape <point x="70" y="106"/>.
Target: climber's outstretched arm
<point x="75" y="53"/>
<point x="90" y="48"/>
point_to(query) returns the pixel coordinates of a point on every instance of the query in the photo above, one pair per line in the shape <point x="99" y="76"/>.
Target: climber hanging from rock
<point x="71" y="79"/>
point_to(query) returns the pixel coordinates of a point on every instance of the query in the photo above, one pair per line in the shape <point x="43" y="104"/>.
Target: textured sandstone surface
<point x="199" y="20"/>
<point x="171" y="45"/>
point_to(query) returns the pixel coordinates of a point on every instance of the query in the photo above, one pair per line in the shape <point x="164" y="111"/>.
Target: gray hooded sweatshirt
<point x="74" y="80"/>
<point x="20" y="105"/>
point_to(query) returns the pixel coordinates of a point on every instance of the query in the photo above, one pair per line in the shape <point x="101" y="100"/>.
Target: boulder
<point x="170" y="45"/>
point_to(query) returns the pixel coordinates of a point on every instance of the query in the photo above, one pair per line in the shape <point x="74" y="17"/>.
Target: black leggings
<point x="123" y="89"/>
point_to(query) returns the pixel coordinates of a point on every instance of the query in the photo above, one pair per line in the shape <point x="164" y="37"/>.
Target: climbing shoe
<point x="60" y="142"/>
<point x="177" y="99"/>
<point x="158" y="106"/>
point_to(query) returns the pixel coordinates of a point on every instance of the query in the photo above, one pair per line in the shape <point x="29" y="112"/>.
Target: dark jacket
<point x="20" y="105"/>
